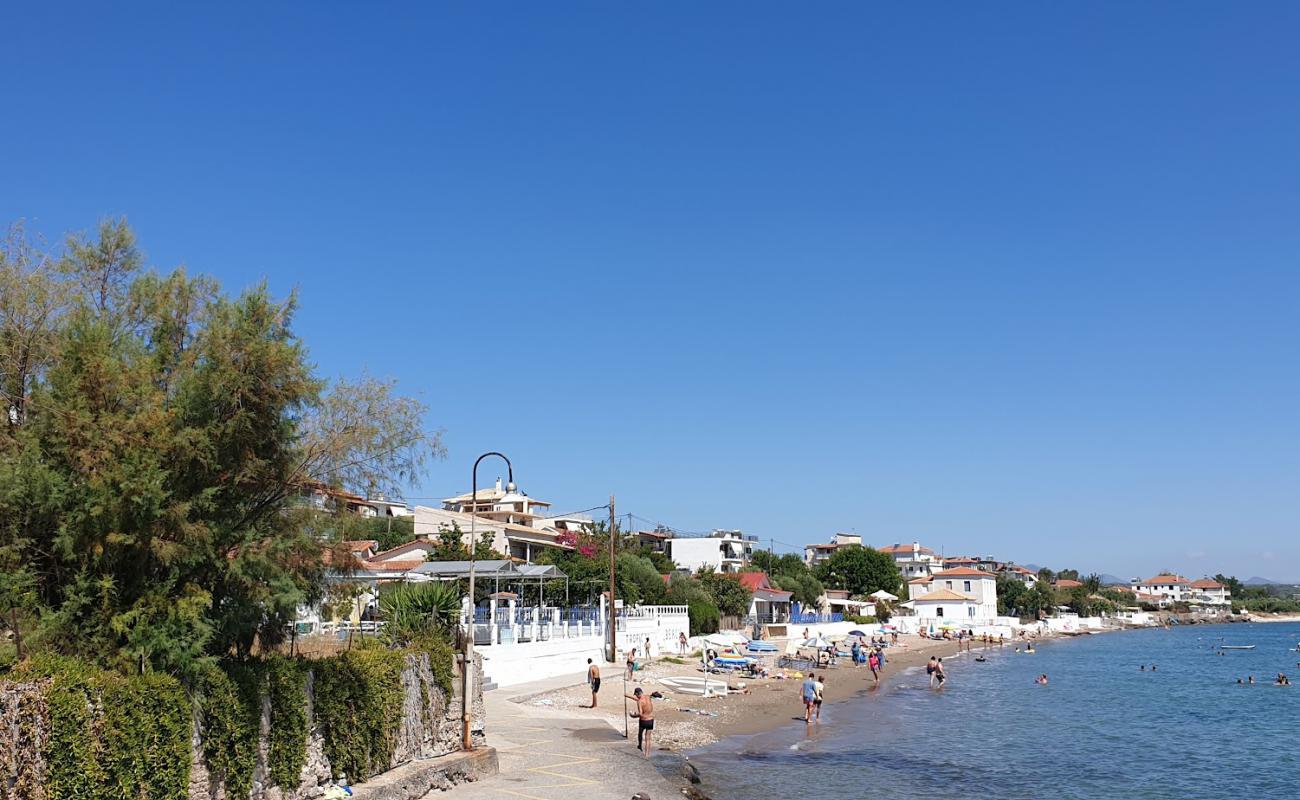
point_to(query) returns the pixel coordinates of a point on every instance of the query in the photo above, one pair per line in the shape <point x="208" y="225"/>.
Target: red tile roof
<point x="962" y="572"/>
<point x="361" y="545"/>
<point x="1066" y="583"/>
<point x="1207" y="583"/>
<point x="391" y="566"/>
<point x="1163" y="579"/>
<point x="754" y="581"/>
<point x="895" y="549"/>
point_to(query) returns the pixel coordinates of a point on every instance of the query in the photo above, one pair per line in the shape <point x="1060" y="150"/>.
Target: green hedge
<point x="358" y="705"/>
<point x="286" y="684"/>
<point x="113" y="737"/>
<point x="117" y="737"/>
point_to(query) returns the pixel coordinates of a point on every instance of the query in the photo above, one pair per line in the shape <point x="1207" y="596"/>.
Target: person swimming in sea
<point x="1240" y="683"/>
<point x="1143" y="668"/>
<point x="1250" y="679"/>
<point x="1041" y="680"/>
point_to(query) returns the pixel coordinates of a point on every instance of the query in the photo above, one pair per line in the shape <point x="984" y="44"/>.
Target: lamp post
<point x="467" y="673"/>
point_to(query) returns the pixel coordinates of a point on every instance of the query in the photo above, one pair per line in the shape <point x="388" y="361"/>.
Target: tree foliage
<point x="158" y="434"/>
<point x="861" y="570"/>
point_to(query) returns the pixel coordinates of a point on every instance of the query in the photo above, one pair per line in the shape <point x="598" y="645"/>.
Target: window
<point x="949" y="584"/>
<point x="938" y="612"/>
<point x="970" y="612"/>
<point x="967" y="585"/>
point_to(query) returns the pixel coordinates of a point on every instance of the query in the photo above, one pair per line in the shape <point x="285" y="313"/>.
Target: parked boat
<point x="1236" y="647"/>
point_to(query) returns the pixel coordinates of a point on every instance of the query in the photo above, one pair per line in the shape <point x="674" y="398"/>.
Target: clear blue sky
<point x="1019" y="279"/>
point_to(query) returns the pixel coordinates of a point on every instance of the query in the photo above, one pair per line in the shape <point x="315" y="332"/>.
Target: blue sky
<point x="1018" y="279"/>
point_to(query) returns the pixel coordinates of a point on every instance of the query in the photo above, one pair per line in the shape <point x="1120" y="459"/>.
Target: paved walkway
<point x="553" y="755"/>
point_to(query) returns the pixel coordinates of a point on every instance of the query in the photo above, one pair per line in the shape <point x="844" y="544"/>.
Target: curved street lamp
<point x="467" y="673"/>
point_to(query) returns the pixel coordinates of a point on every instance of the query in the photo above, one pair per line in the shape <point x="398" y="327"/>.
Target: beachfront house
<point x="946" y="606"/>
<point x="769" y="604"/>
<point x="718" y="551"/>
<point x="1209" y="592"/>
<point x="913" y="560"/>
<point x="838" y="601"/>
<point x="814" y="554"/>
<point x="1173" y="588"/>
<point x="977" y="587"/>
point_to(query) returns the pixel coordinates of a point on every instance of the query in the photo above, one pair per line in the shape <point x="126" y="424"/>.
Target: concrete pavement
<point x="555" y="755"/>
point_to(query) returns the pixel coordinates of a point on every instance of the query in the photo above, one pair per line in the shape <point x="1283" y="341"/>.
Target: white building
<point x="515" y="540"/>
<point x="913" y="560"/>
<point x="1209" y="592"/>
<point x="814" y="554"/>
<point x="720" y="551"/>
<point x="1026" y="576"/>
<point x="947" y="606"/>
<point x="977" y="587"/>
<point x="1173" y="588"/>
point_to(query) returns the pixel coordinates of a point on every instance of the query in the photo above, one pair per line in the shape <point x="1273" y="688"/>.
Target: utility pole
<point x="613" y="621"/>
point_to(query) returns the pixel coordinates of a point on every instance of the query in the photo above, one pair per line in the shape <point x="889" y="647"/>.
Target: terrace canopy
<point x="499" y="571"/>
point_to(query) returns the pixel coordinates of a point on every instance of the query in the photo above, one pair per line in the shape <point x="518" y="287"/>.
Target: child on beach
<point x="873" y="661"/>
<point x="817" y="700"/>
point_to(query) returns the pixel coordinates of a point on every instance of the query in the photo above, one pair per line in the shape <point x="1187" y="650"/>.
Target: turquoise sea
<point x="1101" y="728"/>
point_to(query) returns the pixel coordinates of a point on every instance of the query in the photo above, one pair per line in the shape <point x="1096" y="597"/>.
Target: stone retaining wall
<point x="430" y="727"/>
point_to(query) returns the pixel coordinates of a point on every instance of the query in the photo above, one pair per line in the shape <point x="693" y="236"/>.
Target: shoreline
<point x="686" y="723"/>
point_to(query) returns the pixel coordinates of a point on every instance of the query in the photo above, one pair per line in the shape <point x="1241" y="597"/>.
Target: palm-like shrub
<point x="414" y="609"/>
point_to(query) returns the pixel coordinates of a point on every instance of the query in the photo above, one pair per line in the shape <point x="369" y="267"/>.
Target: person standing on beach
<point x="939" y="674"/>
<point x="857" y="653"/>
<point x="880" y="654"/>
<point x="873" y="661"/>
<point x="646" y="650"/>
<point x="631" y="662"/>
<point x="809" y="695"/>
<point x="681" y="642"/>
<point x="645" y="713"/>
<point x="593" y="680"/>
<point x="819" y="687"/>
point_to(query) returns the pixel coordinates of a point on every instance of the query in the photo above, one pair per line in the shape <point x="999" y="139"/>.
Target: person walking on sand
<point x="873" y="661"/>
<point x="681" y="642"/>
<point x="809" y="695"/>
<point x="645" y="714"/>
<point x="593" y="680"/>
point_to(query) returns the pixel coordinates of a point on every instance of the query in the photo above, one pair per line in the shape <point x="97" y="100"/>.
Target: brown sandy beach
<point x="768" y="703"/>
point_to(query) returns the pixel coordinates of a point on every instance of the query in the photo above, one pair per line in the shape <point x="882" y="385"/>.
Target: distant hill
<point x="1112" y="580"/>
<point x="1258" y="581"/>
<point x="1034" y="567"/>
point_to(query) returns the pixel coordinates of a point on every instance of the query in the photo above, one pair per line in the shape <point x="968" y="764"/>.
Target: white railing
<point x="642" y="612"/>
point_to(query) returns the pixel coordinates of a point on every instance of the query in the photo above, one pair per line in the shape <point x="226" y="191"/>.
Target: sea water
<point x="1101" y="728"/>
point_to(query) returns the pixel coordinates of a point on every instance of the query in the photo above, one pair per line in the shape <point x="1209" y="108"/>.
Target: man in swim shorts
<point x="645" y="712"/>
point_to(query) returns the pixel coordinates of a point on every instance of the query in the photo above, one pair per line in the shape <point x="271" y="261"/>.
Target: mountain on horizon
<point x="1258" y="581"/>
<point x="1112" y="580"/>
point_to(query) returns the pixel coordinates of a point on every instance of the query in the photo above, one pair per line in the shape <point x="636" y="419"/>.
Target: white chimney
<point x="498" y="483"/>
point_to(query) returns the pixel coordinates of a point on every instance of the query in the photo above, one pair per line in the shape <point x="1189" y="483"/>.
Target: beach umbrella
<point x="817" y="641"/>
<point x="724" y="639"/>
<point x="857" y="633"/>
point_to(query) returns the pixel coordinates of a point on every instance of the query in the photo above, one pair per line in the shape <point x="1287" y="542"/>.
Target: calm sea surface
<point x="1100" y="729"/>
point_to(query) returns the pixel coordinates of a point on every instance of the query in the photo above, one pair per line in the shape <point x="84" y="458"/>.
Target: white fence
<point x="526" y="644"/>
